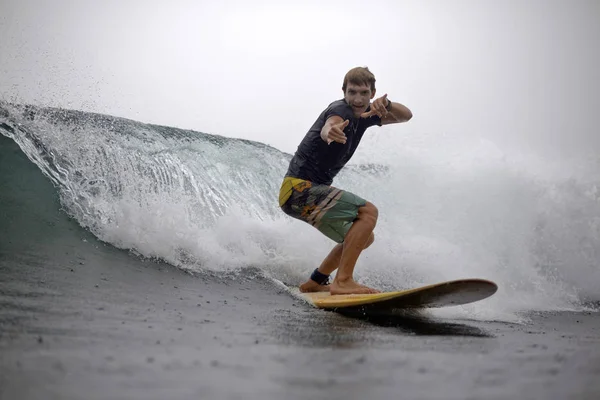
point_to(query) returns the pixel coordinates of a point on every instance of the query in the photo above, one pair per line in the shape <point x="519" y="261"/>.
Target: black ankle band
<point x="319" y="277"/>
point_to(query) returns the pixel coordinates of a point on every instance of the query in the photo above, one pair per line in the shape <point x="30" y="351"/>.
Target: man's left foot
<point x="312" y="286"/>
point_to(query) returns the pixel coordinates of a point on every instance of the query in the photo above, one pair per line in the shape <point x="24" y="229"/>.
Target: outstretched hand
<point x="336" y="132"/>
<point x="378" y="107"/>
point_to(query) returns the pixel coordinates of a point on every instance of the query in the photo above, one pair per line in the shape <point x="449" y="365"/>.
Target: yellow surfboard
<point x="444" y="294"/>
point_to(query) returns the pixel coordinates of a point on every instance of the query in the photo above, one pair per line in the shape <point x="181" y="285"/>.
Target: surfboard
<point x="444" y="294"/>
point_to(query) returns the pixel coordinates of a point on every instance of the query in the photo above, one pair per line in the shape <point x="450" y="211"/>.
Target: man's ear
<point x="373" y="94"/>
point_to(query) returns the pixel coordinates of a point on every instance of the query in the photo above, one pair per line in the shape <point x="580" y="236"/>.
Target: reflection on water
<point x="356" y="329"/>
<point x="413" y="322"/>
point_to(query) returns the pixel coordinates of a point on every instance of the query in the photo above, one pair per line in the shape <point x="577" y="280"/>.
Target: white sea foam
<point x="448" y="210"/>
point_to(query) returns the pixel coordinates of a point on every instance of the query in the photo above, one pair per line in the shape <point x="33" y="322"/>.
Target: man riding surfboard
<point x="306" y="192"/>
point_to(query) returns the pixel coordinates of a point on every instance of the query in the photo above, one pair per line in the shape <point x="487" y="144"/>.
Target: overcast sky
<point x="520" y="73"/>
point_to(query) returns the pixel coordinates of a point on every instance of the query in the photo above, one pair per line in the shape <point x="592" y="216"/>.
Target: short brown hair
<point x="359" y="76"/>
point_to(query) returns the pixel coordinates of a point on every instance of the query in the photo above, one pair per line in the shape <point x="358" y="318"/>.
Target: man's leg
<point x="329" y="264"/>
<point x="355" y="241"/>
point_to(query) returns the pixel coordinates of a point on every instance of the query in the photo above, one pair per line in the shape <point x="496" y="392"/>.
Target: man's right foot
<point x="312" y="286"/>
<point x="349" y="286"/>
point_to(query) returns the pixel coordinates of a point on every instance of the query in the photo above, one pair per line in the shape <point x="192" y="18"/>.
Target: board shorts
<point x="331" y="210"/>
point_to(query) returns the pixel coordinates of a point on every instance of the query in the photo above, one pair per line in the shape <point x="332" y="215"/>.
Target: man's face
<point x="359" y="97"/>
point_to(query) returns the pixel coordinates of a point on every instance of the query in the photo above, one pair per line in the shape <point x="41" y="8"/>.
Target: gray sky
<point x="524" y="74"/>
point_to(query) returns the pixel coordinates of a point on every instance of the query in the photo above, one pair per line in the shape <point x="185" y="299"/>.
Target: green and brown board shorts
<point x="331" y="210"/>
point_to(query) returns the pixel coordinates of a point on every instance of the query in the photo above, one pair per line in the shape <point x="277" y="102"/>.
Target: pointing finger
<point x="336" y="138"/>
<point x="367" y="114"/>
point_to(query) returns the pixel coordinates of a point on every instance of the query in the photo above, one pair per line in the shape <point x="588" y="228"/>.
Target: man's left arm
<point x="390" y="112"/>
<point x="396" y="113"/>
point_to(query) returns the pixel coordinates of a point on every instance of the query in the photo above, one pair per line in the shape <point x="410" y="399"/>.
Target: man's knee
<point x="368" y="213"/>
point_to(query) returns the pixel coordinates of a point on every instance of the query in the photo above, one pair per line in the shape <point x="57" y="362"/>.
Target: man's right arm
<point x="333" y="130"/>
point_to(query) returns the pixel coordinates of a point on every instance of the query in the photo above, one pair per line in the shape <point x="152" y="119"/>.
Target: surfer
<point x="306" y="192"/>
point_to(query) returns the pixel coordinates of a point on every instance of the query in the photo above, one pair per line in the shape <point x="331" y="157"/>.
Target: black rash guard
<point x="319" y="162"/>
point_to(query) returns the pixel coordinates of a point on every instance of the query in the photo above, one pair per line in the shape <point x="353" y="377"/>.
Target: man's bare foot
<point x="349" y="286"/>
<point x="312" y="286"/>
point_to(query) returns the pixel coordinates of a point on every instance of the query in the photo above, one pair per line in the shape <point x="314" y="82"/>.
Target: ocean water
<point x="449" y="208"/>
